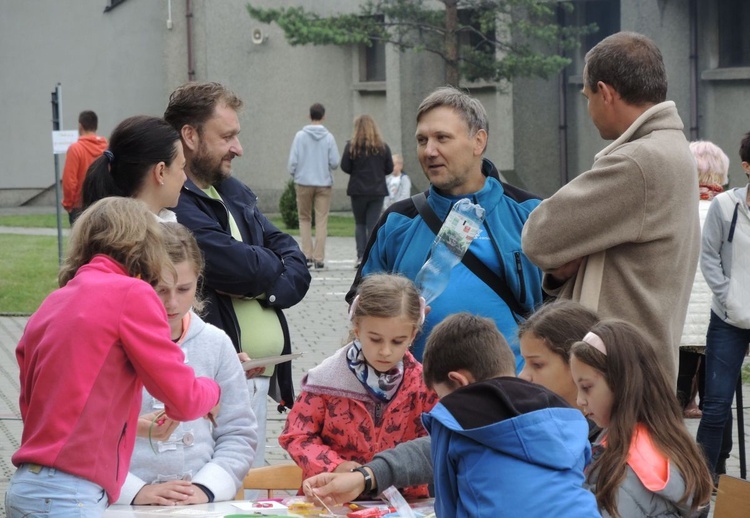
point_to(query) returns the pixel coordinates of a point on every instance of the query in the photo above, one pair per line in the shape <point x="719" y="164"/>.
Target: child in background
<point x="84" y="357"/>
<point x="646" y="463"/>
<point x="197" y="463"/>
<point x="501" y="446"/>
<point x="398" y="183"/>
<point x="546" y="338"/>
<point x="369" y="396"/>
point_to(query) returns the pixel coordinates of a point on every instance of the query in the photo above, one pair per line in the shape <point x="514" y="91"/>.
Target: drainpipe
<point x="694" y="122"/>
<point x="562" y="117"/>
<point x="189" y="25"/>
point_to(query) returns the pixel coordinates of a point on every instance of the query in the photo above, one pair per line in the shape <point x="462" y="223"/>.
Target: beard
<point x="207" y="168"/>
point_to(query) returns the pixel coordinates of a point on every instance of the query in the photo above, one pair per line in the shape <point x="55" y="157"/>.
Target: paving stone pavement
<point x="318" y="327"/>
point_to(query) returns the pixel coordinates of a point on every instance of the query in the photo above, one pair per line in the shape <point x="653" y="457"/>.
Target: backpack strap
<point x="471" y="261"/>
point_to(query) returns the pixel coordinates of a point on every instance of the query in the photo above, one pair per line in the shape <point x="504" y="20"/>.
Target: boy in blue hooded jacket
<point x="501" y="446"/>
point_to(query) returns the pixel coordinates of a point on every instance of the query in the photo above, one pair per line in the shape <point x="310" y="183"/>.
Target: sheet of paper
<point x="270" y="360"/>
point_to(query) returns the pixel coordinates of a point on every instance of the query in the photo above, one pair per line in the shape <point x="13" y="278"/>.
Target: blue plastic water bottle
<point x="458" y="231"/>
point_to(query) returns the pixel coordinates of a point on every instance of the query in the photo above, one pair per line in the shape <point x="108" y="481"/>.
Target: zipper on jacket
<point x="119" y="443"/>
<point x="521" y="280"/>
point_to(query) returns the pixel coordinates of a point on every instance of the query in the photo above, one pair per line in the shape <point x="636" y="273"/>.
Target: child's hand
<point x="346" y="466"/>
<point x="167" y="493"/>
<point x="334" y="488"/>
<point x="159" y="430"/>
<point x="211" y="416"/>
<point x="257" y="371"/>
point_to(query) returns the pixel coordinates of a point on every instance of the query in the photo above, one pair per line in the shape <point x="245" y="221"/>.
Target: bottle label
<point x="458" y="232"/>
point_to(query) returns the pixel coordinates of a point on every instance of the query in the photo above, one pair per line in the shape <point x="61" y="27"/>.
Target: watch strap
<point x="368" y="478"/>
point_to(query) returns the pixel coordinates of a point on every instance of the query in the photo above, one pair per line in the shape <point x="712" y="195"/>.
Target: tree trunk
<point x="451" y="42"/>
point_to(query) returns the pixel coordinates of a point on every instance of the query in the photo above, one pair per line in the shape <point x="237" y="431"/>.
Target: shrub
<point x="288" y="206"/>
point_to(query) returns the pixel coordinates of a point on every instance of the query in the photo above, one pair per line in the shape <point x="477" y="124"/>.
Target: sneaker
<point x="309" y="263"/>
<point x="319" y="265"/>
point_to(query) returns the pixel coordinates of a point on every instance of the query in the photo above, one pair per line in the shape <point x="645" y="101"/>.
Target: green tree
<point x="477" y="39"/>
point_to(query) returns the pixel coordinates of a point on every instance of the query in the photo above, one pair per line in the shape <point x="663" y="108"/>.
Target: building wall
<point x="724" y="101"/>
<point x="127" y="61"/>
<point x="111" y="63"/>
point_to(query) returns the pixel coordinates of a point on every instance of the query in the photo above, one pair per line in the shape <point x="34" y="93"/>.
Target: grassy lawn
<point x="34" y="221"/>
<point x="338" y="226"/>
<point x="28" y="271"/>
<point x="28" y="264"/>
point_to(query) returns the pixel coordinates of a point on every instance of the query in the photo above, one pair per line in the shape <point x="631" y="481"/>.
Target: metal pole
<point x="741" y="429"/>
<point x="56" y="123"/>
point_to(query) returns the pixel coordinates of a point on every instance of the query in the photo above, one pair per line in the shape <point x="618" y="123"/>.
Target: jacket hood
<point x="739" y="195"/>
<point x="196" y="326"/>
<point x="93" y="145"/>
<point x="518" y="419"/>
<point x="316" y="131"/>
<point x="334" y="378"/>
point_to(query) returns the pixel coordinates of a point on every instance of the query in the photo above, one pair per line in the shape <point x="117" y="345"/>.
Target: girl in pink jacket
<point x="369" y="396"/>
<point x="84" y="357"/>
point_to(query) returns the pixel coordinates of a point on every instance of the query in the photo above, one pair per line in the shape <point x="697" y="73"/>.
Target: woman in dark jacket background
<point x="367" y="160"/>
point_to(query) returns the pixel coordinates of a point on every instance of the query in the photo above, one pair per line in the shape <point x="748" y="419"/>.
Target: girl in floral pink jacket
<point x="369" y="396"/>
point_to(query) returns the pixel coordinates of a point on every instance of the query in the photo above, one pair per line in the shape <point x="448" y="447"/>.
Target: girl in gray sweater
<point x="198" y="462"/>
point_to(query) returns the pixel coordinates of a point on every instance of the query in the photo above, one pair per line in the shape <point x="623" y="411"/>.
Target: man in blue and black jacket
<point x="451" y="140"/>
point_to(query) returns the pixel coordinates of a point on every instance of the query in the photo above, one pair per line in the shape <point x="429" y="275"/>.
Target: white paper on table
<point x="250" y="506"/>
<point x="269" y="361"/>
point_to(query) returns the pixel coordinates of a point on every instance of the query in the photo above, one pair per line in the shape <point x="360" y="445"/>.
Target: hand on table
<point x="174" y="492"/>
<point x="161" y="429"/>
<point x="334" y="488"/>
<point x="257" y="371"/>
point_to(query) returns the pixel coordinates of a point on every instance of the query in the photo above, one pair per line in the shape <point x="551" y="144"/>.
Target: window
<point x="476" y="36"/>
<point x="471" y="34"/>
<point x="734" y="38"/>
<point x="605" y="14"/>
<point x="372" y="58"/>
<point x="372" y="62"/>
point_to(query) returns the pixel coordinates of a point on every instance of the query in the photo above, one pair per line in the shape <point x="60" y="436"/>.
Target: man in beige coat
<point x="623" y="238"/>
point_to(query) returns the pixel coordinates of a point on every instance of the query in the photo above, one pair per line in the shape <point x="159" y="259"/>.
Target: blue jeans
<point x="34" y="492"/>
<point x="726" y="347"/>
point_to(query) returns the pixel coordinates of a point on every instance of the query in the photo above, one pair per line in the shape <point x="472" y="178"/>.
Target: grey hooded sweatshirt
<point x="313" y="157"/>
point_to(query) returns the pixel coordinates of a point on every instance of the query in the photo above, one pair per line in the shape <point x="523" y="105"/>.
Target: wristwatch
<point x="368" y="478"/>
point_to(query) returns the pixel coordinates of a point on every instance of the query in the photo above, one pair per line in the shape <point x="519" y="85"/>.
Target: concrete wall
<point x="724" y="107"/>
<point x="127" y="61"/>
<point x="111" y="63"/>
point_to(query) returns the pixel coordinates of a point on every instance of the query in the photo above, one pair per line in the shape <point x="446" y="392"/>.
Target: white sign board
<point x="61" y="141"/>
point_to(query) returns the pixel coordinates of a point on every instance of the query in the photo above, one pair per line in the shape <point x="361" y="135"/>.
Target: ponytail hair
<point x="136" y="145"/>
